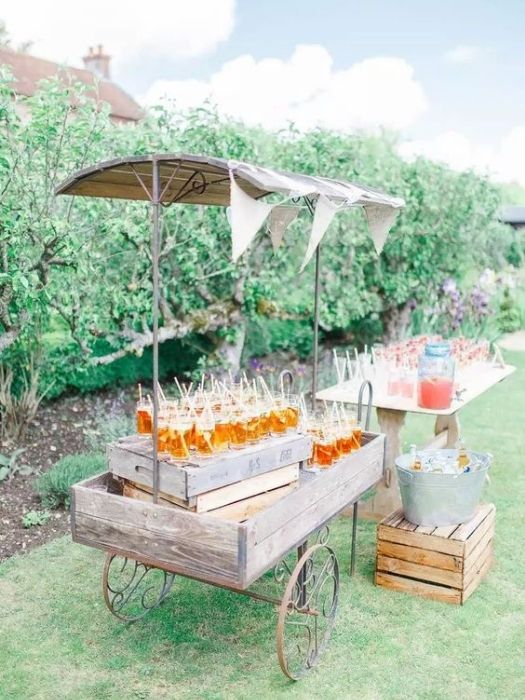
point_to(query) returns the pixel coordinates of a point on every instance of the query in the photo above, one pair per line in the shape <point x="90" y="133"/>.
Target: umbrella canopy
<point x="245" y="188"/>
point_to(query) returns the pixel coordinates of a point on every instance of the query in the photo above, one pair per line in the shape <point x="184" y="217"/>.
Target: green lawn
<point x="58" y="641"/>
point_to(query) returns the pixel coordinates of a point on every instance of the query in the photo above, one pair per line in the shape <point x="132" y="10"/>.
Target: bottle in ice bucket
<point x="435" y="379"/>
<point x="463" y="457"/>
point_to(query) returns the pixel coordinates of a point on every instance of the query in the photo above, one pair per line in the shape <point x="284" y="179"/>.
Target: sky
<point x="449" y="76"/>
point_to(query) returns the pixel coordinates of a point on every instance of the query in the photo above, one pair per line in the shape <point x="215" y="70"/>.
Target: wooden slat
<point x="420" y="588"/>
<point x="249" y="487"/>
<point x="281" y="527"/>
<point x="189" y="557"/>
<point x="360" y="467"/>
<point x="394" y="517"/>
<point x="241" y="510"/>
<point x="464" y="531"/>
<point x="476" y="580"/>
<point x="419" y="571"/>
<point x="487" y="525"/>
<point x="406" y="525"/>
<point x="416" y="555"/>
<point x="174" y="523"/>
<point x="445" y="531"/>
<point x="481" y="542"/>
<point x="415" y="539"/>
<point x="426" y="529"/>
<point x="476" y="565"/>
<point x="131" y="490"/>
<point x="131" y="464"/>
<point x="251" y="461"/>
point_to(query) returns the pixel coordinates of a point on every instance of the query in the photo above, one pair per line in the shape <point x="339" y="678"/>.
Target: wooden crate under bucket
<point x="442" y="563"/>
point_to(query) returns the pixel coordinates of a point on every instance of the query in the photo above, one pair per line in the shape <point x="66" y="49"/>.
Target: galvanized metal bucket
<point x="435" y="499"/>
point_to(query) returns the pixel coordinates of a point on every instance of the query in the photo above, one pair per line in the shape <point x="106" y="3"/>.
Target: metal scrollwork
<point x="307" y="612"/>
<point x="131" y="588"/>
<point x="322" y="535"/>
<point x="282" y="571"/>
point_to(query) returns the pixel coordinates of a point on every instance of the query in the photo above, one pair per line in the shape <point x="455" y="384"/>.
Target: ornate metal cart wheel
<point x="131" y="589"/>
<point x="307" y="612"/>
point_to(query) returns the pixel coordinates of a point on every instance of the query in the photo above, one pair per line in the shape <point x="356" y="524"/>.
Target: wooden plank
<point x="131" y="490"/>
<point x="445" y="531"/>
<point x="488" y="525"/>
<point x="365" y="466"/>
<point x="166" y="498"/>
<point x="242" y="464"/>
<point x="425" y="529"/>
<point x="415" y="539"/>
<point x="275" y="531"/>
<point x="186" y="556"/>
<point x="476" y="564"/>
<point x="171" y="522"/>
<point x="420" y="588"/>
<point x="474" y="583"/>
<point x="419" y="571"/>
<point x="249" y="487"/>
<point x="250" y="506"/>
<point x="480" y="546"/>
<point x="394" y="517"/>
<point x="428" y="557"/>
<point x="464" y="531"/>
<point x="134" y="466"/>
<point x="405" y="524"/>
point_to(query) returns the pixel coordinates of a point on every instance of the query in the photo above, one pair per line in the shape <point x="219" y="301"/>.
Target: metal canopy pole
<point x="316" y="323"/>
<point x="317" y="288"/>
<point x="155" y="235"/>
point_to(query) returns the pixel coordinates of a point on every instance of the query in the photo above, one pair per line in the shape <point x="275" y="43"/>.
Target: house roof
<point x="513" y="215"/>
<point x="29" y="70"/>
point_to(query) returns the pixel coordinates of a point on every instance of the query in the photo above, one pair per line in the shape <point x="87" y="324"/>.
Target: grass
<point x="58" y="640"/>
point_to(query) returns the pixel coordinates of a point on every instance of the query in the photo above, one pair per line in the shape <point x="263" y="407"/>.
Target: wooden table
<point x="391" y="413"/>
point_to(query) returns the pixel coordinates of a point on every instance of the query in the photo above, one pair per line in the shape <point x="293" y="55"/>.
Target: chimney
<point x="97" y="62"/>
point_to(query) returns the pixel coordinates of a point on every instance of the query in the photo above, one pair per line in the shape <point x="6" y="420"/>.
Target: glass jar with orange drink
<point x="144" y="412"/>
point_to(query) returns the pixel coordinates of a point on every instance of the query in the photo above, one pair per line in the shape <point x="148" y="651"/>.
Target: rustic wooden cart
<point x="149" y="541"/>
<point x="141" y="536"/>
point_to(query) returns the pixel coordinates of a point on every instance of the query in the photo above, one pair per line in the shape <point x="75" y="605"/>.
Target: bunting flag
<point x="280" y="218"/>
<point x="246" y="217"/>
<point x="380" y="221"/>
<point x="325" y="210"/>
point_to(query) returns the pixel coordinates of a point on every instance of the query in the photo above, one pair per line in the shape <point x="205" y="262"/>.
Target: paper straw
<point x="179" y="386"/>
<point x="140" y="393"/>
<point x="349" y="365"/>
<point x="161" y="392"/>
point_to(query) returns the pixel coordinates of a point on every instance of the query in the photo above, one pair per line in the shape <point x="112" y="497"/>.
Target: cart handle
<point x="364" y="385"/>
<point x="286" y="375"/>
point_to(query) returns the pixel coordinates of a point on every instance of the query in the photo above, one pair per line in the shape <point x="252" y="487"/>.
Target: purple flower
<point x="256" y="365"/>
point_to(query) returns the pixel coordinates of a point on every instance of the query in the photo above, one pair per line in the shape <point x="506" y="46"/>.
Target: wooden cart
<point x="146" y="538"/>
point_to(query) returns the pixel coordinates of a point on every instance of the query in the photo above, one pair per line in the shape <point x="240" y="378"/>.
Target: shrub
<point x="53" y="486"/>
<point x="108" y="429"/>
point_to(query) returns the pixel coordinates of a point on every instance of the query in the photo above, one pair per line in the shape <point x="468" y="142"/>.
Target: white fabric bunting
<point x="325" y="210"/>
<point x="380" y="221"/>
<point x="247" y="215"/>
<point x="280" y="218"/>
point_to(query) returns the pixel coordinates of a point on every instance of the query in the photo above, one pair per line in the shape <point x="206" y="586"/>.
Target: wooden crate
<point x="442" y="563"/>
<point x="131" y="458"/>
<point x="214" y="549"/>
<point x="234" y="502"/>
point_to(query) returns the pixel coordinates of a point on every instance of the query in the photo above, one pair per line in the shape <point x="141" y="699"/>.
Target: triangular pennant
<point x="325" y="210"/>
<point x="280" y="218"/>
<point x="246" y="217"/>
<point x="380" y="220"/>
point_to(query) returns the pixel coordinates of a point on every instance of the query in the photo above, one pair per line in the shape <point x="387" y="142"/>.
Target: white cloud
<point x="63" y="30"/>
<point x="464" y="53"/>
<point x="307" y="90"/>
<point x="504" y="161"/>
